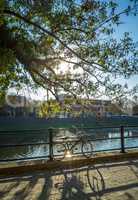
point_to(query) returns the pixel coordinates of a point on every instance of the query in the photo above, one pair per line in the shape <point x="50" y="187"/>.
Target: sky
<point x="130" y="25"/>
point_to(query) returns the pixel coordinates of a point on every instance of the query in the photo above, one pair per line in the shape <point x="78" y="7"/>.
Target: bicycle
<point x="67" y="146"/>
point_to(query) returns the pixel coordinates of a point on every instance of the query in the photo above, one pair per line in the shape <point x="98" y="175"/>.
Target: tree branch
<point x="53" y="83"/>
<point x="6" y="11"/>
<point x="110" y="18"/>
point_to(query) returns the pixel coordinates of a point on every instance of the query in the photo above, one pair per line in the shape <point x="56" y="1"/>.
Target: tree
<point x="36" y="36"/>
<point x="135" y="110"/>
<point x="49" y="108"/>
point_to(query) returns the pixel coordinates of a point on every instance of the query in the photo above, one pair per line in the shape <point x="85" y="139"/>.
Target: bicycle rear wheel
<point x="87" y="149"/>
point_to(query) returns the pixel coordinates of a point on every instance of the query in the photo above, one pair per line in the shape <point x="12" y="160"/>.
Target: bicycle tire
<point x="94" y="174"/>
<point x="87" y="149"/>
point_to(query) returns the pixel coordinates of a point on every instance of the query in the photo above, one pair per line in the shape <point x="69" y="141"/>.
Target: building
<point x="85" y="107"/>
<point x="93" y="107"/>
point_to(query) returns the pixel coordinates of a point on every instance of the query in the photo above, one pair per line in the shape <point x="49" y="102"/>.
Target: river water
<point x="27" y="151"/>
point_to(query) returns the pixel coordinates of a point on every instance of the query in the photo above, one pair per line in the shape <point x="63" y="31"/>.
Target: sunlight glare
<point x="68" y="154"/>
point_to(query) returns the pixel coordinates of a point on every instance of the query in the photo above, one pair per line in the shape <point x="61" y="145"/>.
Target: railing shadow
<point x="3" y="194"/>
<point x="22" y="187"/>
<point x="45" y="193"/>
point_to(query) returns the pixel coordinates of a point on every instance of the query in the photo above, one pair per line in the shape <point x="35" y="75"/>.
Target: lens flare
<point x="68" y="154"/>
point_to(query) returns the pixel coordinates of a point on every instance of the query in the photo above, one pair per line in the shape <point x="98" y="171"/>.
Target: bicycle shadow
<point x="75" y="188"/>
<point x="96" y="181"/>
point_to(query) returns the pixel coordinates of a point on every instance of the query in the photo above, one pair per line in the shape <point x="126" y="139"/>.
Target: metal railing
<point x="51" y="142"/>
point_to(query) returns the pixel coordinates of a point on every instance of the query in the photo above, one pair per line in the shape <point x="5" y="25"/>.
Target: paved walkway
<point x="116" y="181"/>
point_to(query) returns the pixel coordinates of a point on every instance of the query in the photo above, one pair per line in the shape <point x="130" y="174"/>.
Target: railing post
<point x="51" y="156"/>
<point x="122" y="139"/>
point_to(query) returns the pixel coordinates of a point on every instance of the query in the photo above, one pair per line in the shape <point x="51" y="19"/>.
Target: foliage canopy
<point x="37" y="36"/>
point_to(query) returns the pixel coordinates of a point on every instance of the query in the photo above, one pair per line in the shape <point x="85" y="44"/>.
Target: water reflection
<point x="43" y="150"/>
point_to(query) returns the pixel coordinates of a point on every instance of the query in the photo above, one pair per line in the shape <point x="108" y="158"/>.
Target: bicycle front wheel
<point x="87" y="149"/>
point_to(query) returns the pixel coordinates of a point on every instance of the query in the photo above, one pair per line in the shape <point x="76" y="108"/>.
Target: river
<point x="27" y="151"/>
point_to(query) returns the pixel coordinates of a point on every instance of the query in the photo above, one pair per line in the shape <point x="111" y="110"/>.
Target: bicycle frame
<point x="69" y="147"/>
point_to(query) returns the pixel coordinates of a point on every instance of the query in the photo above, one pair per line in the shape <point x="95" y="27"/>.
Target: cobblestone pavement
<point x="117" y="181"/>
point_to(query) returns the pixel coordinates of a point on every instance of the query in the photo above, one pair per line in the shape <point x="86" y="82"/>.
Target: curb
<point x="55" y="165"/>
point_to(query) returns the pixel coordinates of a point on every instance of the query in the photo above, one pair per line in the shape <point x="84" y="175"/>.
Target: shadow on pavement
<point x="86" y="183"/>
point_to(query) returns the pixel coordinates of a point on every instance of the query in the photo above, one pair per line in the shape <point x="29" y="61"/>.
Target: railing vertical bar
<point x="122" y="139"/>
<point x="51" y="156"/>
